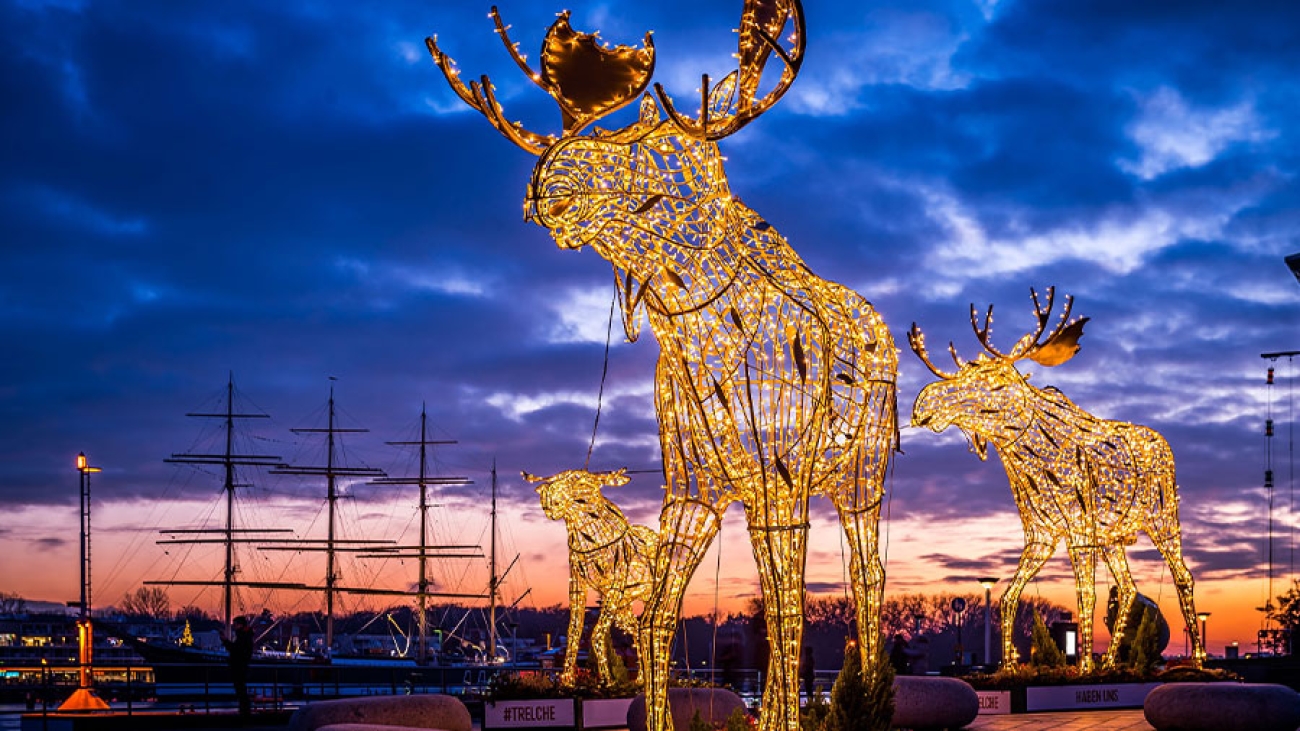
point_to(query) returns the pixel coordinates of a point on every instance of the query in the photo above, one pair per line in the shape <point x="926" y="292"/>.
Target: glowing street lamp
<point x="987" y="583"/>
<point x="84" y="698"/>
<point x="1203" y="616"/>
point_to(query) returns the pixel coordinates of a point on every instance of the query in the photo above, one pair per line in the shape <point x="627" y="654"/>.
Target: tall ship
<point x="331" y="661"/>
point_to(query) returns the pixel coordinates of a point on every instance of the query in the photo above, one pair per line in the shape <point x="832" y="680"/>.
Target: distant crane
<point x="1292" y="263"/>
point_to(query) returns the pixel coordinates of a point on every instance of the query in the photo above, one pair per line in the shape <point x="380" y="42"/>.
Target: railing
<point x="207" y="687"/>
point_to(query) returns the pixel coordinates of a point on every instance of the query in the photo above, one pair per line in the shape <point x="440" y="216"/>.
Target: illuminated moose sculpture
<point x="1090" y="482"/>
<point x="772" y="385"/>
<point x="606" y="554"/>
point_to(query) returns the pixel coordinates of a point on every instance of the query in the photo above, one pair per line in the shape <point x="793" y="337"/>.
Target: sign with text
<point x="1076" y="697"/>
<point x="605" y="713"/>
<point x="542" y="713"/>
<point x="994" y="702"/>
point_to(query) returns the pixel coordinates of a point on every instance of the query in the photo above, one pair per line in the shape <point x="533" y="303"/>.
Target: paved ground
<point x="1127" y="720"/>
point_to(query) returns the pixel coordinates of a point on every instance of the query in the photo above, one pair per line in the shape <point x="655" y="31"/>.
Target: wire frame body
<point x="1089" y="483"/>
<point x="607" y="555"/>
<point x="773" y="385"/>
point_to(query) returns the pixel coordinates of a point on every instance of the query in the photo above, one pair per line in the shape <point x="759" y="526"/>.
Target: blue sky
<point x="290" y="191"/>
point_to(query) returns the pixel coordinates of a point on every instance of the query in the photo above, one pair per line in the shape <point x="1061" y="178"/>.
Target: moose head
<point x="575" y="492"/>
<point x="651" y="196"/>
<point x="988" y="398"/>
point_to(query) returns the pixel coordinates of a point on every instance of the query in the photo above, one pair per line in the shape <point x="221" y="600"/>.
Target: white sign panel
<point x="1074" y="697"/>
<point x="605" y="713"/>
<point x="994" y="702"/>
<point x="545" y="713"/>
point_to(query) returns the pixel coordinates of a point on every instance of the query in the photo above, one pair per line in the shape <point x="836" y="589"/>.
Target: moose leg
<point x="686" y="528"/>
<point x="577" y="611"/>
<point x="600" y="644"/>
<point x="1032" y="559"/>
<point x="861" y="527"/>
<point x="780" y="541"/>
<point x="1170" y="546"/>
<point x="1084" y="561"/>
<point x="1117" y="561"/>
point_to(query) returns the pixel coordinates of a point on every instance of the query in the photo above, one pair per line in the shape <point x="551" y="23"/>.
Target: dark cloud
<point x="290" y="192"/>
<point x="48" y="543"/>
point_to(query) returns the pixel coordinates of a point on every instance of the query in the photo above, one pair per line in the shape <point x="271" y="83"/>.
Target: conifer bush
<point x="862" y="699"/>
<point x="1044" y="653"/>
<point x="1145" y="654"/>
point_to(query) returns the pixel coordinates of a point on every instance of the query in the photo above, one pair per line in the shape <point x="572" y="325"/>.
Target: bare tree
<point x="193" y="613"/>
<point x="11" y="604"/>
<point x="147" y="601"/>
<point x="830" y="613"/>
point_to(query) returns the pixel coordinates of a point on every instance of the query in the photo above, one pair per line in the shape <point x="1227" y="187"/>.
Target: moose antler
<point x="760" y="23"/>
<point x="586" y="80"/>
<point x="1058" y="347"/>
<point x="916" y="339"/>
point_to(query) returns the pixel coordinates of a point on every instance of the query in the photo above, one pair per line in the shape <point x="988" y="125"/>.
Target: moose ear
<point x="630" y="291"/>
<point x="649" y="111"/>
<point x="531" y="478"/>
<point x="1062" y="346"/>
<point x="617" y="477"/>
<point x="722" y="97"/>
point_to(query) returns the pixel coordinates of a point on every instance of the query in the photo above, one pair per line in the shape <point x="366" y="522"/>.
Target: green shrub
<point x="814" y="713"/>
<point x="528" y="685"/>
<point x="1188" y="674"/>
<point x="862" y="699"/>
<point x="740" y="720"/>
<point x="1145" y="652"/>
<point x="1044" y="653"/>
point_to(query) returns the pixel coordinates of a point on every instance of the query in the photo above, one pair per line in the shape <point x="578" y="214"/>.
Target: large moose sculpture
<point x="606" y="554"/>
<point x="1089" y="482"/>
<point x="772" y="385"/>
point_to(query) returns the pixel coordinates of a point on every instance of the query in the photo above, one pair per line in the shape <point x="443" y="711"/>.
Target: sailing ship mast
<point x="331" y="471"/>
<point x="228" y="535"/>
<point x="494" y="582"/>
<point x="424" y="551"/>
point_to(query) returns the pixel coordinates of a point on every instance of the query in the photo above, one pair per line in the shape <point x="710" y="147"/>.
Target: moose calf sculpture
<point x="1090" y="482"/>
<point x="606" y="554"/>
<point x="773" y="385"/>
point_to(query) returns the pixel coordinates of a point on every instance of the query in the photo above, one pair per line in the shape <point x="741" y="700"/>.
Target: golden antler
<point x="760" y="22"/>
<point x="586" y="80"/>
<point x="1060" y="345"/>
<point x="916" y="339"/>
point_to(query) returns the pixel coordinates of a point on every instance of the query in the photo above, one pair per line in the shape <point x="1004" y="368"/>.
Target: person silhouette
<point x="239" y="650"/>
<point x="898" y="655"/>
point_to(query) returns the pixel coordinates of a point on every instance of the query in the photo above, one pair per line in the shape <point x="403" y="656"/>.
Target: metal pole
<point x="988" y="583"/>
<point x="1204" y="617"/>
<point x="988" y="628"/>
<point x="84" y="698"/>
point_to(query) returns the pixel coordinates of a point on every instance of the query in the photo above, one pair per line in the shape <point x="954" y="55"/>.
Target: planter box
<point x="1082" y="697"/>
<point x="994" y="702"/>
<point x="605" y="713"/>
<point x="541" y="713"/>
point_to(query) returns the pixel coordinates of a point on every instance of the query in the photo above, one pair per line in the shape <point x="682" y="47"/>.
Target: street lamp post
<point x="1204" y="616"/>
<point x="987" y="583"/>
<point x="84" y="698"/>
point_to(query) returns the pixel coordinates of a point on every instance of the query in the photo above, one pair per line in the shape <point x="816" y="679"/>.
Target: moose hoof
<point x="715" y="706"/>
<point x="1223" y="707"/>
<point x="922" y="702"/>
